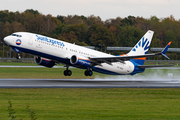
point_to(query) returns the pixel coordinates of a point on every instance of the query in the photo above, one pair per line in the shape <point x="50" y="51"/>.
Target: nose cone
<point x="7" y="40"/>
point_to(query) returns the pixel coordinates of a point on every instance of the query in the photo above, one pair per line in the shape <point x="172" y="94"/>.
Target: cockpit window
<point x="16" y="35"/>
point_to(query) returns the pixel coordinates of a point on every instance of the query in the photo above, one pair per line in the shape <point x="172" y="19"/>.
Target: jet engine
<point x="80" y="61"/>
<point x="44" y="62"/>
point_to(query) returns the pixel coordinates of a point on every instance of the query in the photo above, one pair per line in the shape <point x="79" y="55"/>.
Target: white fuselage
<point x="61" y="51"/>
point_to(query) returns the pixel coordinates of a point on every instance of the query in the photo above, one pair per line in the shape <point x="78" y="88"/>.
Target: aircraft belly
<point x="118" y="68"/>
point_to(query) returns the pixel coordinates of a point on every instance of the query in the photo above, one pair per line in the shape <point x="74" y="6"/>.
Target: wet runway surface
<point x="88" y="83"/>
<point x="168" y="80"/>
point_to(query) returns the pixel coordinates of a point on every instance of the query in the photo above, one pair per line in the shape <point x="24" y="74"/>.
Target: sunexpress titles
<point x="50" y="40"/>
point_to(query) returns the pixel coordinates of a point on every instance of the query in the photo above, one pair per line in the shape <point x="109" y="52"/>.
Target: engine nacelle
<point x="44" y="62"/>
<point x="80" y="61"/>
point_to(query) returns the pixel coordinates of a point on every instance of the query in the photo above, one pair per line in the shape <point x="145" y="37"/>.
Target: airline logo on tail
<point x="143" y="45"/>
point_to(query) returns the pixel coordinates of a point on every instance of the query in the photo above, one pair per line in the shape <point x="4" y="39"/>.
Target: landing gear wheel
<point x="67" y="72"/>
<point x="88" y="73"/>
<point x="18" y="56"/>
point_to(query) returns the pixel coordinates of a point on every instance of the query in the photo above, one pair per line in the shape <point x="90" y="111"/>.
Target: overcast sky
<point x="105" y="9"/>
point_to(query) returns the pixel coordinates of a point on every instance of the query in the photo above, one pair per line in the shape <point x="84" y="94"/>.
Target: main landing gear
<point x="67" y="72"/>
<point x="88" y="72"/>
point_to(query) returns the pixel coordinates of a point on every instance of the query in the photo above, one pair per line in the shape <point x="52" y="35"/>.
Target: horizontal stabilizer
<point x="165" y="56"/>
<point x="153" y="66"/>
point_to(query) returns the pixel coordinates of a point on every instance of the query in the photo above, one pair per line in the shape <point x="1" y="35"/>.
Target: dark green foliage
<point x="59" y="17"/>
<point x="32" y="11"/>
<point x="128" y="35"/>
<point x="3" y="16"/>
<point x="91" y="30"/>
<point x="31" y="112"/>
<point x="83" y="17"/>
<point x="100" y="35"/>
<point x="78" y="29"/>
<point x="11" y="111"/>
<point x="170" y="36"/>
<point x="130" y="20"/>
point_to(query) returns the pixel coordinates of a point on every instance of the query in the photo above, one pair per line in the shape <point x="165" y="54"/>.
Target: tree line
<point x="91" y="30"/>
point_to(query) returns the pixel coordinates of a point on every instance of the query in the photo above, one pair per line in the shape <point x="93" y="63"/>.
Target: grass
<point x="57" y="73"/>
<point x="22" y="63"/>
<point x="87" y="104"/>
<point x="19" y="63"/>
<point x="51" y="73"/>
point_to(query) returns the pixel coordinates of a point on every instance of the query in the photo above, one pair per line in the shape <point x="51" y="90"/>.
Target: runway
<point x="151" y="81"/>
<point x="87" y="83"/>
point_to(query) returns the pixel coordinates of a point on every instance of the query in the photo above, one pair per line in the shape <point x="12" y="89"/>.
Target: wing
<point x="121" y="59"/>
<point x="109" y="60"/>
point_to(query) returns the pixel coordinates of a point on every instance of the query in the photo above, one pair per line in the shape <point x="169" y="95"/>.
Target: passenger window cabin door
<point x="38" y="43"/>
<point x="30" y="40"/>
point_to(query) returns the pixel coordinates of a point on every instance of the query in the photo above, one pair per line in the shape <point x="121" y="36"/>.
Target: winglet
<point x="166" y="48"/>
<point x="163" y="52"/>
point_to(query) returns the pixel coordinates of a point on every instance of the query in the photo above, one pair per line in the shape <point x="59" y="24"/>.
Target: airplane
<point x="49" y="52"/>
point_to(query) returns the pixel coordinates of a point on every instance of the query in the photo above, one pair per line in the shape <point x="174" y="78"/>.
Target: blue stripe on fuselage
<point x="33" y="52"/>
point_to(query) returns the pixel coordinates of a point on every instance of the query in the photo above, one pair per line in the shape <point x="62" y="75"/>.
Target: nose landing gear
<point x="18" y="56"/>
